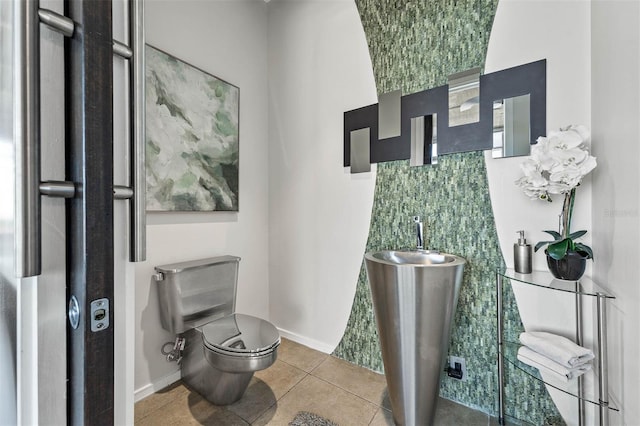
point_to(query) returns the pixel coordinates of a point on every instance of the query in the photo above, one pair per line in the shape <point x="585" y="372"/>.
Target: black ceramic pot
<point x="571" y="267"/>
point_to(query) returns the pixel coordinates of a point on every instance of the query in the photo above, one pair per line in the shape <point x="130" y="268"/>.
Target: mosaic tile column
<point x="416" y="45"/>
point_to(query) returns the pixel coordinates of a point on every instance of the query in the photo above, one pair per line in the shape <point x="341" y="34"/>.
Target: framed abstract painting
<point x="192" y="137"/>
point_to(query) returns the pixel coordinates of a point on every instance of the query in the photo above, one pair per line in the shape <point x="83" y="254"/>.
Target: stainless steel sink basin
<point x="414" y="295"/>
<point x="415" y="257"/>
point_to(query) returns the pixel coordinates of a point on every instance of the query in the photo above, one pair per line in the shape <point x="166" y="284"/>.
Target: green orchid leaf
<point x="555" y="235"/>
<point x="577" y="234"/>
<point x="582" y="248"/>
<point x="542" y="244"/>
<point x="558" y="250"/>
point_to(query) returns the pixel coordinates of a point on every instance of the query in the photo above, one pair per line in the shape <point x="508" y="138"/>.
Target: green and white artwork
<point x="192" y="122"/>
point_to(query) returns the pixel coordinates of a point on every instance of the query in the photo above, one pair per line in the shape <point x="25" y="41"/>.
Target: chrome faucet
<point x="419" y="233"/>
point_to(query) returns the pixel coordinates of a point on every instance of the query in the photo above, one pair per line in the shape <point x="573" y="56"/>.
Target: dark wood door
<point x="89" y="135"/>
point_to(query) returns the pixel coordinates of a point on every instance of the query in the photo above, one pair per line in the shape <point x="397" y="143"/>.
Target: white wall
<point x="526" y="31"/>
<point x="319" y="214"/>
<point x="615" y="42"/>
<point x="593" y="77"/>
<point x="558" y="31"/>
<point x="229" y="40"/>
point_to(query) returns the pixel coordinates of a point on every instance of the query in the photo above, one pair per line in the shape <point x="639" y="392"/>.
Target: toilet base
<point x="217" y="386"/>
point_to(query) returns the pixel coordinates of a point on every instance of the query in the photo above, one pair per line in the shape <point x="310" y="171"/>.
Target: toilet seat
<point x="240" y="335"/>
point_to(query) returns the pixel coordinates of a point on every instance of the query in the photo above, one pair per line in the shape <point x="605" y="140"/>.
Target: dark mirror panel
<point x="503" y="111"/>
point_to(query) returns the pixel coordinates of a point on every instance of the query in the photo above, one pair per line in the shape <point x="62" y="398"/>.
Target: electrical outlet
<point x="457" y="368"/>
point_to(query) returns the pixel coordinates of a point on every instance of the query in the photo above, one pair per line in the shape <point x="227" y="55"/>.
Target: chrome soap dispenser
<point x="522" y="255"/>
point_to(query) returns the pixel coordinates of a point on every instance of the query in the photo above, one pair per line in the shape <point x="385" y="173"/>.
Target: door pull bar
<point x="59" y="189"/>
<point x="122" y="50"/>
<point x="138" y="210"/>
<point x="121" y="192"/>
<point x="57" y="22"/>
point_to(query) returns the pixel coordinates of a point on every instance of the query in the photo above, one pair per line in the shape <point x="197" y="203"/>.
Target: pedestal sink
<point x="415" y="294"/>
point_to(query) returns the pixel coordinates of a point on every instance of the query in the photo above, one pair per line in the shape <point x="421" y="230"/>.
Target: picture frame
<point x="192" y="137"/>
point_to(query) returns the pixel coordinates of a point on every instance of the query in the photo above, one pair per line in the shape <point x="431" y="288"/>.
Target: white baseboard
<point x="151" y="388"/>
<point x="303" y="340"/>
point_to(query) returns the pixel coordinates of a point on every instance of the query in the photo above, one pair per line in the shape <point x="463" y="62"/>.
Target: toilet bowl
<point x="222" y="348"/>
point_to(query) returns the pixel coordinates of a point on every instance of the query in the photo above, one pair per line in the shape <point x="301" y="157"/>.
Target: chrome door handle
<point x="135" y="193"/>
<point x="57" y="22"/>
<point x="27" y="132"/>
<point x="26" y="82"/>
<point x="27" y="18"/>
<point x="138" y="219"/>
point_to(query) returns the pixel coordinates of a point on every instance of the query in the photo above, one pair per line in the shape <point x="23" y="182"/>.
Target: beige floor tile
<point x="257" y="399"/>
<point x="321" y="398"/>
<point x="383" y="417"/>
<point x="154" y="402"/>
<point x="386" y="402"/>
<point x="268" y="418"/>
<point x="300" y="356"/>
<point x="280" y="377"/>
<point x="493" y="421"/>
<point x="450" y="413"/>
<point x="189" y="408"/>
<point x="352" y="378"/>
<point x="337" y="390"/>
<point x="266" y="387"/>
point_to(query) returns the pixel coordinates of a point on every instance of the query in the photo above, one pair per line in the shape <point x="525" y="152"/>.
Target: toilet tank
<point x="193" y="293"/>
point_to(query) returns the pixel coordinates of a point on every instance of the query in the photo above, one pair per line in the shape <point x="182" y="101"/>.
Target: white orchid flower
<point x="557" y="163"/>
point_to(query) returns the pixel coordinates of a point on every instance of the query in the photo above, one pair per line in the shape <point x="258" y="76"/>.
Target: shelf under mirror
<point x="585" y="286"/>
<point x="571" y="387"/>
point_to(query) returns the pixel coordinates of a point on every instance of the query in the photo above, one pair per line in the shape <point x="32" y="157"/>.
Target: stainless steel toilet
<point x="222" y="348"/>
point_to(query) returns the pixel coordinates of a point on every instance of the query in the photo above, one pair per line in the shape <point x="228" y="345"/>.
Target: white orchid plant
<point x="557" y="164"/>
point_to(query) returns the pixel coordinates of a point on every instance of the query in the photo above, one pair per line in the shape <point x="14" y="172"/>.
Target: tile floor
<point x="302" y="379"/>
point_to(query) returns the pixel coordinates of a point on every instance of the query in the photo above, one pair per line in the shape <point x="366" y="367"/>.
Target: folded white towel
<point x="545" y="365"/>
<point x="557" y="348"/>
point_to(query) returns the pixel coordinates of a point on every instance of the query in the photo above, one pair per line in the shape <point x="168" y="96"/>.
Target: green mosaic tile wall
<point x="415" y="45"/>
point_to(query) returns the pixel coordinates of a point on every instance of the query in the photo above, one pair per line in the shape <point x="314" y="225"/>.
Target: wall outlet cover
<point x="453" y="360"/>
